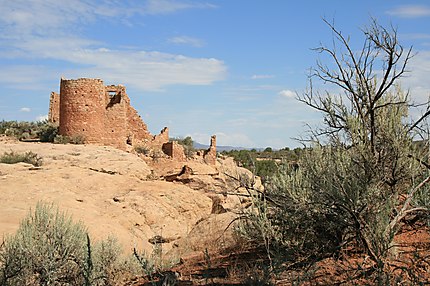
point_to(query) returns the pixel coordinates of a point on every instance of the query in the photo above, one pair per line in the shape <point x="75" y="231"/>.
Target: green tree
<point x="188" y="145"/>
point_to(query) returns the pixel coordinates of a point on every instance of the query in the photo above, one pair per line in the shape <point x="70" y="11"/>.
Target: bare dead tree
<point x="363" y="77"/>
<point x="365" y="116"/>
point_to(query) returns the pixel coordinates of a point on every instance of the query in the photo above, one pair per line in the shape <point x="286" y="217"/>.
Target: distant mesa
<point x="103" y="115"/>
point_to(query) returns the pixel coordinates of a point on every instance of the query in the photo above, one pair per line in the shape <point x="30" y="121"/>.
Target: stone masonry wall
<point x="174" y="150"/>
<point x="210" y="155"/>
<point x="101" y="114"/>
<point x="54" y="108"/>
<point x="82" y="109"/>
<point x="161" y="138"/>
<point x="116" y="133"/>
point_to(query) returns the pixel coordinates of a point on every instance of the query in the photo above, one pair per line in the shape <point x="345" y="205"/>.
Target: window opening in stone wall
<point x="114" y="98"/>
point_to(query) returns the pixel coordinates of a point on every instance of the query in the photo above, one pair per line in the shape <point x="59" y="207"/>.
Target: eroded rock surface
<point x="120" y="194"/>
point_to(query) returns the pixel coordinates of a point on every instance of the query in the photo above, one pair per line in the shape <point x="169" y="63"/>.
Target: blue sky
<point x="225" y="67"/>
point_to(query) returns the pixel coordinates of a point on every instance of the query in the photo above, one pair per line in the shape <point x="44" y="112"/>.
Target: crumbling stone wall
<point x="54" y="108"/>
<point x="174" y="150"/>
<point x="116" y="129"/>
<point x="103" y="115"/>
<point x="210" y="155"/>
<point x="100" y="114"/>
<point x="161" y="138"/>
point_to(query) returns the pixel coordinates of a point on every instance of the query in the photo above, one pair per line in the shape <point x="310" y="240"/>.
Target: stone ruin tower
<point x="103" y="115"/>
<point x="100" y="114"/>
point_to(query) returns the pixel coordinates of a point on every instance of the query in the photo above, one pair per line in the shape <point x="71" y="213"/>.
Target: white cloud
<point x="147" y="70"/>
<point x="171" y="6"/>
<point x="42" y="117"/>
<point x="410" y="11"/>
<point x="287" y="93"/>
<point x="417" y="80"/>
<point x="185" y="40"/>
<point x="42" y="17"/>
<point x="48" y="29"/>
<point x="25" y="109"/>
<point x="262" y="76"/>
<point x="26" y="77"/>
<point x="52" y="16"/>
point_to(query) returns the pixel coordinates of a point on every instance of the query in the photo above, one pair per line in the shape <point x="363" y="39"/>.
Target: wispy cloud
<point x="287" y="93"/>
<point x="188" y="41"/>
<point x="171" y="6"/>
<point x="417" y="80"/>
<point x="51" y="30"/>
<point x="262" y="76"/>
<point x="27" y="77"/>
<point x="410" y="11"/>
<point x="25" y="109"/>
<point x="415" y="36"/>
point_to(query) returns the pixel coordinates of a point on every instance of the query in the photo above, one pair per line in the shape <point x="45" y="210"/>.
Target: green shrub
<point x="27" y="157"/>
<point x="21" y="130"/>
<point x="75" y="139"/>
<point x="47" y="132"/>
<point x="106" y="264"/>
<point x="24" y="130"/>
<point x="142" y="150"/>
<point x="50" y="249"/>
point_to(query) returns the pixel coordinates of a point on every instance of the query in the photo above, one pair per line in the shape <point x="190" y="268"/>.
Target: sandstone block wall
<point x="100" y="114"/>
<point x="174" y="150"/>
<point x="54" y="108"/>
<point x="103" y="115"/>
<point x="210" y="155"/>
<point x="82" y="109"/>
<point x="161" y="138"/>
<point x="116" y="127"/>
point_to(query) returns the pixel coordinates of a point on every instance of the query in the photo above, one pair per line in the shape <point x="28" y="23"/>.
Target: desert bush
<point x="362" y="173"/>
<point x="27" y="157"/>
<point x="153" y="266"/>
<point x="75" y="139"/>
<point x="50" y="249"/>
<point x="24" y="130"/>
<point x="19" y="130"/>
<point x="140" y="149"/>
<point x="106" y="262"/>
<point x="47" y="132"/>
<point x="266" y="169"/>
